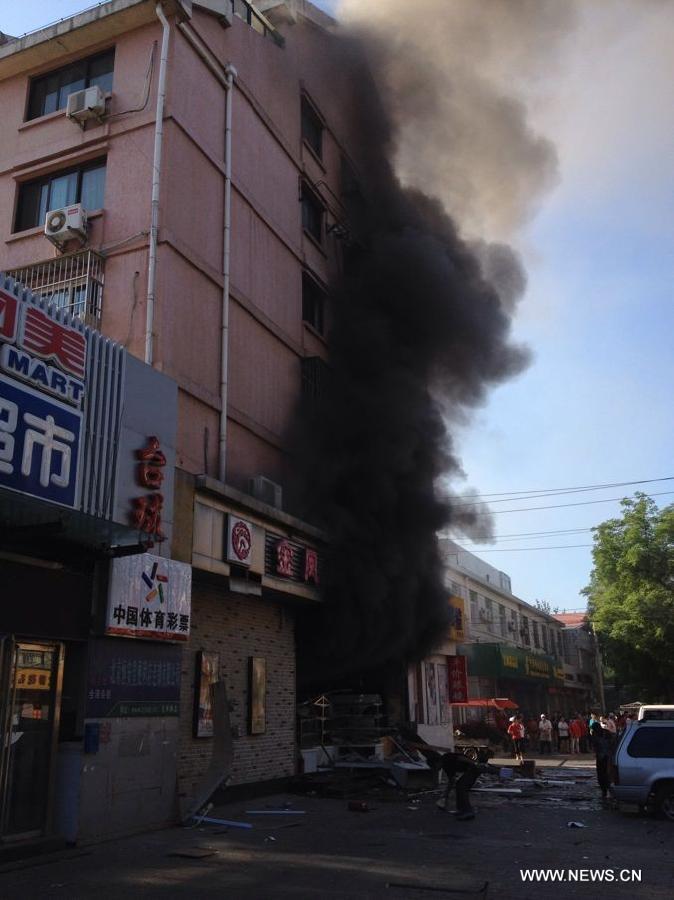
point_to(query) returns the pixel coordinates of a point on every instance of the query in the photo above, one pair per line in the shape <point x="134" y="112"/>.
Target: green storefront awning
<point x="501" y="661"/>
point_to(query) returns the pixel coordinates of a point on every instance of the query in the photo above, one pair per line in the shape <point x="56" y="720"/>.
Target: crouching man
<point x="461" y="773"/>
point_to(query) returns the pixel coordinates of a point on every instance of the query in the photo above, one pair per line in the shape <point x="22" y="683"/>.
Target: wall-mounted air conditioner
<point x="266" y="490"/>
<point x="67" y="224"/>
<point x="86" y="104"/>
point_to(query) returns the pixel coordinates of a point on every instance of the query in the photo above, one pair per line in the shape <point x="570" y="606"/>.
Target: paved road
<point x="330" y="852"/>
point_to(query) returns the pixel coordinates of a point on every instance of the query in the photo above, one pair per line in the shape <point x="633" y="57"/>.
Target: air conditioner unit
<point x="66" y="224"/>
<point x="86" y="104"/>
<point x="266" y="490"/>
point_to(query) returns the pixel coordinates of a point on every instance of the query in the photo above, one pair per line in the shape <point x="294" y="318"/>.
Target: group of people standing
<point x="558" y="735"/>
<point x="581" y="734"/>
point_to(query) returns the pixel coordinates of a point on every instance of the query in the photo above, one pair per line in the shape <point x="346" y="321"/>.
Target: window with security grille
<point x="50" y="92"/>
<point x="315" y="373"/>
<point x="313" y="303"/>
<point x="83" y="184"/>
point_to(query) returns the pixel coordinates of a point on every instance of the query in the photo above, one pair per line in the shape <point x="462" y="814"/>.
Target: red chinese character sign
<point x="149" y="597"/>
<point x="311" y="566"/>
<point x="146" y="513"/>
<point x="239" y="548"/>
<point x="285" y="559"/>
<point x="458" y="680"/>
<point x="50" y="340"/>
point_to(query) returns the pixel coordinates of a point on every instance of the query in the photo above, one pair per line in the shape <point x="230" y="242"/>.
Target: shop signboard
<point x="128" y="679"/>
<point x="78" y="418"/>
<point x="240" y="538"/>
<point x="149" y="597"/>
<point x="291" y="560"/>
<point x="42" y="389"/>
<point x="503" y="661"/>
<point x="458" y="679"/>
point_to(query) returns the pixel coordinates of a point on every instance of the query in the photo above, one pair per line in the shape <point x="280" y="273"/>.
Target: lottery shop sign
<point x="42" y="389"/>
<point x="149" y="597"/>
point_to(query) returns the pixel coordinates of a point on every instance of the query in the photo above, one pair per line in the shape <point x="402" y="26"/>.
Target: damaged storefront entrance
<point x="31" y="674"/>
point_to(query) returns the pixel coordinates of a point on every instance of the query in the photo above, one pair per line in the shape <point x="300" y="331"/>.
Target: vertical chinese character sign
<point x="42" y="370"/>
<point x="149" y="597"/>
<point x="458" y="680"/>
<point x="146" y="514"/>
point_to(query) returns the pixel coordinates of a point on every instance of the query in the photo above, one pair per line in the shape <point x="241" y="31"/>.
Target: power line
<point x="496" y="512"/>
<point x="519" y="534"/>
<point x="541" y="534"/>
<point x="571" y="489"/>
<point x="520" y="549"/>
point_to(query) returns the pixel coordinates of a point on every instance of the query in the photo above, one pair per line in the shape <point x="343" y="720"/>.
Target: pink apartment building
<point x="211" y="180"/>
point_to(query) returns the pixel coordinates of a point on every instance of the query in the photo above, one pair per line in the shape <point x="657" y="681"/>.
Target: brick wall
<point x="238" y="627"/>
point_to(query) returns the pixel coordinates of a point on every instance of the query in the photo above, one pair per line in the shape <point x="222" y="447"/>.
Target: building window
<point x="50" y="92"/>
<point x="534" y="627"/>
<point x="84" y="184"/>
<point x="489" y="611"/>
<point x="312" y="128"/>
<point x="544" y="637"/>
<point x="502" y="619"/>
<point x="524" y="632"/>
<point x="315" y="372"/>
<point x="312" y="213"/>
<point x="474" y="608"/>
<point x="313" y="303"/>
<point x="457" y="590"/>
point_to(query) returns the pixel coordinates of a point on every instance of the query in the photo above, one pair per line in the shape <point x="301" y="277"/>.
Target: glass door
<point x="30" y="687"/>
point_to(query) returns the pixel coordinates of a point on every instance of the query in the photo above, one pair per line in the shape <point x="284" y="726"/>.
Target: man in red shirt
<point x="516" y="732"/>
<point x="575" y="731"/>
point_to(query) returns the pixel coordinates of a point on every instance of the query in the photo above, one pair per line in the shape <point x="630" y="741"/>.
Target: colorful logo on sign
<point x="32" y="340"/>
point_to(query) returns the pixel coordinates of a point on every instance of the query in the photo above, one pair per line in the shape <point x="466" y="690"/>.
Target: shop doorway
<point x="31" y="674"/>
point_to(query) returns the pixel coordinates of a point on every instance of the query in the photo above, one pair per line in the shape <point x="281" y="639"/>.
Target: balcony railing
<point x="73" y="282"/>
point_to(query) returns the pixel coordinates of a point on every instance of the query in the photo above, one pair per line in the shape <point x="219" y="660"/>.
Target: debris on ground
<point x="193" y="853"/>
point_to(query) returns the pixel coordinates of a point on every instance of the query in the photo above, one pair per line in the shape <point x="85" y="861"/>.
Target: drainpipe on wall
<point x="156" y="178"/>
<point x="230" y="74"/>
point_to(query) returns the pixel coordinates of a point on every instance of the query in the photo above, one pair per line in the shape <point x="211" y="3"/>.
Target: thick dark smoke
<point x="416" y="330"/>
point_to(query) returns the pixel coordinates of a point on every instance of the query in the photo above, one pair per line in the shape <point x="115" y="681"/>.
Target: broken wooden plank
<point x="212" y="821"/>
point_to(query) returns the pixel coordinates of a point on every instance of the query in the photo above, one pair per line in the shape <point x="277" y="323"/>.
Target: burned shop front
<point x="87" y="455"/>
<point x="254" y="568"/>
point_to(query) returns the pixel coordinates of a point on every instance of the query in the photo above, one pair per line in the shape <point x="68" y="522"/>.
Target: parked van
<point x="644" y="765"/>
<point x="656" y="712"/>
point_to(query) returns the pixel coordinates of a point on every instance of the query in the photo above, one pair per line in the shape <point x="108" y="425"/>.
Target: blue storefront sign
<point x="39" y="444"/>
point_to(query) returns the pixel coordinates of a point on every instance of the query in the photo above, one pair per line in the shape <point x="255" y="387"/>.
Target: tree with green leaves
<point x="631" y="596"/>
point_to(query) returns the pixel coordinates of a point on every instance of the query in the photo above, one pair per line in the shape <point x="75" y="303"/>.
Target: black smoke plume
<point x="418" y="336"/>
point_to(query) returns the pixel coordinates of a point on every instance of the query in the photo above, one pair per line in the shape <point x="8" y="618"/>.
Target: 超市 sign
<point x="42" y="388"/>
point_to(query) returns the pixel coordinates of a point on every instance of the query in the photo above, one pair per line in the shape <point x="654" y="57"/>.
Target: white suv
<point x="644" y="765"/>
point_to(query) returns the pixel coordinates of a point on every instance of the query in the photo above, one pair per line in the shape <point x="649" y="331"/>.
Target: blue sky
<point x="596" y="404"/>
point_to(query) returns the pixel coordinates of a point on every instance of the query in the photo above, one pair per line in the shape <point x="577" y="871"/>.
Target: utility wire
<point x="498" y="537"/>
<point x="520" y="549"/>
<point x="496" y="512"/>
<point x="480" y="498"/>
<point x="514" y="536"/>
<point x="574" y="488"/>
